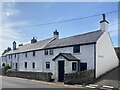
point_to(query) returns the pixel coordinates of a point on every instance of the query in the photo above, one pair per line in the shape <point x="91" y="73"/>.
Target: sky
<point x="21" y="14"/>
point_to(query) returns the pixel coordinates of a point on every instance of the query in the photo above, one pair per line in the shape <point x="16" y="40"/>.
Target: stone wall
<point x="83" y="77"/>
<point x="44" y="76"/>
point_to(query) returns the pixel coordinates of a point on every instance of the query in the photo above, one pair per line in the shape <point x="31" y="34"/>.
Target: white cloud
<point x="7" y="33"/>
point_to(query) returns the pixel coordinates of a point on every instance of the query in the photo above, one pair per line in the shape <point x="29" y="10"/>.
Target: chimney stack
<point x="14" y="45"/>
<point x="104" y="23"/>
<point x="33" y="40"/>
<point x="56" y="34"/>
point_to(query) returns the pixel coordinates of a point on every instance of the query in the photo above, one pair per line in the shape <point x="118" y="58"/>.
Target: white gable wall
<point x="106" y="58"/>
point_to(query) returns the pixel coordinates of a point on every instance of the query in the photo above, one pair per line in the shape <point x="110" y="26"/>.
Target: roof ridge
<point x="52" y="39"/>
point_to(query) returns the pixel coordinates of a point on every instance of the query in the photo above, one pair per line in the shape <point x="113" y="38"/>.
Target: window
<point x="16" y="66"/>
<point x="3" y="64"/>
<point x="13" y="64"/>
<point x="47" y="65"/>
<point x="33" y="64"/>
<point x="9" y="56"/>
<point x="74" y="66"/>
<point x="33" y="53"/>
<point x="51" y="51"/>
<point x="25" y="64"/>
<point x="15" y="55"/>
<point x="76" y="49"/>
<point x="25" y="54"/>
<point x="83" y="66"/>
<point x="46" y="52"/>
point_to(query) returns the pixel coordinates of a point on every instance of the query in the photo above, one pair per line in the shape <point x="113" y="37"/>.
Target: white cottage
<point x="92" y="50"/>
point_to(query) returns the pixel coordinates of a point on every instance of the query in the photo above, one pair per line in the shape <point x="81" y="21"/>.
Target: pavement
<point x="111" y="78"/>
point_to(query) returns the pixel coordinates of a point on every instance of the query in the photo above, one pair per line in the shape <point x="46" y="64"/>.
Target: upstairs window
<point x="9" y="56"/>
<point x="25" y="64"/>
<point x="47" y="65"/>
<point x="15" y="56"/>
<point x="74" y="66"/>
<point x="25" y="54"/>
<point x="46" y="52"/>
<point x="51" y="51"/>
<point x="76" y="49"/>
<point x="33" y="53"/>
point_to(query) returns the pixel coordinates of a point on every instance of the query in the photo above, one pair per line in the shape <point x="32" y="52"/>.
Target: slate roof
<point x="29" y="47"/>
<point x="89" y="37"/>
<point x="67" y="56"/>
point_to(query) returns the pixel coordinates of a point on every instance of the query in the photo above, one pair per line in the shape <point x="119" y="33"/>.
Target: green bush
<point x="6" y="67"/>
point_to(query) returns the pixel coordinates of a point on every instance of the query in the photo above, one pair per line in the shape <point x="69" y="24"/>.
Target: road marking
<point x="90" y="87"/>
<point x="94" y="85"/>
<point x="104" y="86"/>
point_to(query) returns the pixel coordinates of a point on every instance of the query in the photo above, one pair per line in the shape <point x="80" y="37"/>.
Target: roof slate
<point x="77" y="39"/>
<point x="89" y="37"/>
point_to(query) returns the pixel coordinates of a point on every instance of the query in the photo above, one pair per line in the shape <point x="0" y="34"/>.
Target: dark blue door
<point x="60" y="71"/>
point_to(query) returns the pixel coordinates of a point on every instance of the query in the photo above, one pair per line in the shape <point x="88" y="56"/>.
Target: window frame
<point x="25" y="54"/>
<point x="34" y="52"/>
<point x="33" y="65"/>
<point x="25" y="64"/>
<point x="15" y="56"/>
<point x="76" y="49"/>
<point x="51" y="52"/>
<point x="47" y="65"/>
<point x="74" y="66"/>
<point x="46" y="52"/>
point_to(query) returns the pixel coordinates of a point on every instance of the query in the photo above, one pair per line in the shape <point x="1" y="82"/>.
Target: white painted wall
<point x="86" y="55"/>
<point x="106" y="58"/>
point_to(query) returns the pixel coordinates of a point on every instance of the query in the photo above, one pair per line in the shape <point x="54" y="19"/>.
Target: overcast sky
<point x="20" y="14"/>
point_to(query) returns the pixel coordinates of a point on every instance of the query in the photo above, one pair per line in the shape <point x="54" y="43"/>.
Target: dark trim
<point x="53" y="48"/>
<point x="94" y="61"/>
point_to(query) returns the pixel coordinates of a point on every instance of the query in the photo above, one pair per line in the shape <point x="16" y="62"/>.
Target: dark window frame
<point x="46" y="52"/>
<point x="15" y="56"/>
<point x="25" y="54"/>
<point x="9" y="56"/>
<point x="34" y="53"/>
<point x="33" y="65"/>
<point x="51" y="52"/>
<point x="47" y="65"/>
<point x="76" y="49"/>
<point x="74" y="66"/>
<point x="25" y="64"/>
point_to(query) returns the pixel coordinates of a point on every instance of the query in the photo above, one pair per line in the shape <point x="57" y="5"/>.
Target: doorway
<point x="61" y="71"/>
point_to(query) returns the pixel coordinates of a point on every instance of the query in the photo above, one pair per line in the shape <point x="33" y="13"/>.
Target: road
<point x="14" y="83"/>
